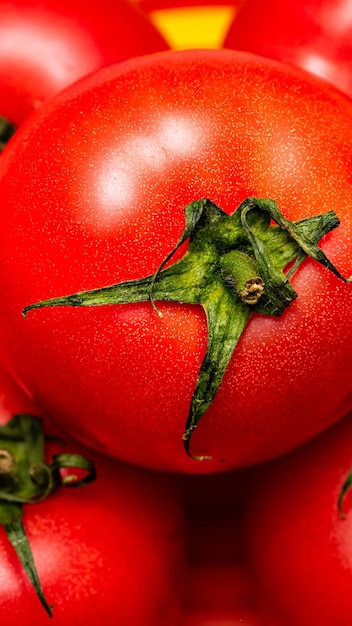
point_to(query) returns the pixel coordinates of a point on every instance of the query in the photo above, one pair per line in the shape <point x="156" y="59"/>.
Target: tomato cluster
<point x="175" y="269"/>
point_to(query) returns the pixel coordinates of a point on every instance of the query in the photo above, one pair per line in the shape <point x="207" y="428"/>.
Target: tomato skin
<point x="298" y="547"/>
<point x="222" y="618"/>
<point x="154" y="5"/>
<point x="106" y="169"/>
<point x="13" y="398"/>
<point x="314" y="35"/>
<point x="45" y="46"/>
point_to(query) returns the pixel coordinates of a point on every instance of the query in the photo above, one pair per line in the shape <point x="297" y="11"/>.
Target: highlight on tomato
<point x="113" y="549"/>
<point x="315" y="35"/>
<point x="183" y="222"/>
<point x="47" y="45"/>
<point x="297" y="526"/>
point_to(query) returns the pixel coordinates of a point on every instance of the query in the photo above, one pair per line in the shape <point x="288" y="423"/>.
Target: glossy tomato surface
<point x="93" y="193"/>
<point x="113" y="550"/>
<point x="315" y="35"/>
<point x="47" y="45"/>
<point x="298" y="546"/>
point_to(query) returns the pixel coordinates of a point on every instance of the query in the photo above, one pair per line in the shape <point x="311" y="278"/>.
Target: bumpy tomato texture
<point x="26" y="479"/>
<point x="45" y="46"/>
<point x="315" y="35"/>
<point x="299" y="548"/>
<point x="233" y="267"/>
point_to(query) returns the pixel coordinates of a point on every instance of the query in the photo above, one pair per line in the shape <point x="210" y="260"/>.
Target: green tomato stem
<point x="234" y="266"/>
<point x="7" y="129"/>
<point x="25" y="478"/>
<point x="17" y="536"/>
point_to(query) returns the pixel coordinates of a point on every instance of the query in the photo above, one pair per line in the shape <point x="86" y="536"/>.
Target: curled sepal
<point x="307" y="245"/>
<point x="69" y="461"/>
<point x="18" y="538"/>
<point x="26" y="478"/>
<point x="345" y="487"/>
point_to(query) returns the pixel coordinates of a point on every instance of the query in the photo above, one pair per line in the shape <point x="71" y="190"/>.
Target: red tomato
<point x="93" y="193"/>
<point x="46" y="45"/>
<point x="315" y="35"/>
<point x="299" y="548"/>
<point x="112" y="551"/>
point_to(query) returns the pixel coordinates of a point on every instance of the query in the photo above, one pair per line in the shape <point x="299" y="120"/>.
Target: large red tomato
<point x="46" y="45"/>
<point x="112" y="551"/>
<point x="315" y="35"/>
<point x="93" y="193"/>
<point x="298" y="546"/>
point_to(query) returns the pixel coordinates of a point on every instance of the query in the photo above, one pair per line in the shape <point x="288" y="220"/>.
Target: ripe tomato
<point x="113" y="550"/>
<point x="47" y="45"/>
<point x="93" y="193"/>
<point x="298" y="546"/>
<point x="315" y="35"/>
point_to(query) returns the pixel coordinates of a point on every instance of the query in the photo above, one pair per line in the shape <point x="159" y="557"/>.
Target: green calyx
<point x="234" y="267"/>
<point x="25" y="478"/>
<point x="347" y="484"/>
<point x="7" y="129"/>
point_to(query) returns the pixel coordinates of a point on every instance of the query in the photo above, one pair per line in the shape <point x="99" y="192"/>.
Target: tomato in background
<point x="298" y="547"/>
<point x="45" y="45"/>
<point x="106" y="169"/>
<point x="315" y="35"/>
<point x="113" y="550"/>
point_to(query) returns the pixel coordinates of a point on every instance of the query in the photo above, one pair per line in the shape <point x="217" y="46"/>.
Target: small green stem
<point x="240" y="272"/>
